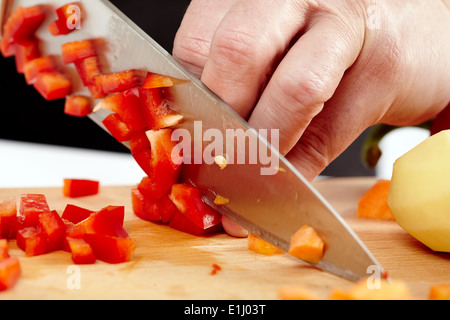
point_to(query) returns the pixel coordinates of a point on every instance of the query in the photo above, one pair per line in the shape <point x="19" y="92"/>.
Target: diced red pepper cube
<point x="10" y="272"/>
<point x="88" y="69"/>
<point x="73" y="231"/>
<point x="139" y="141"/>
<point x="119" y="81"/>
<point x="82" y="252"/>
<point x="4" y="250"/>
<point x="156" y="111"/>
<point x="53" y="85"/>
<point x="111" y="249"/>
<point x="74" y="188"/>
<point x="8" y="219"/>
<point x="104" y="222"/>
<point x="32" y="241"/>
<point x="189" y="202"/>
<point x="21" y="25"/>
<point x="31" y="206"/>
<point x="117" y="128"/>
<point x="78" y="106"/>
<point x="182" y="223"/>
<point x="78" y="50"/>
<point x="165" y="164"/>
<point x="38" y="65"/>
<point x="26" y="50"/>
<point x="127" y="105"/>
<point x="75" y="214"/>
<point x="152" y="210"/>
<point x="60" y="26"/>
<point x="51" y="224"/>
<point x="117" y="213"/>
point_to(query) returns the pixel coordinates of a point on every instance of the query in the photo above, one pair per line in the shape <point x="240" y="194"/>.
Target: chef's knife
<point x="272" y="205"/>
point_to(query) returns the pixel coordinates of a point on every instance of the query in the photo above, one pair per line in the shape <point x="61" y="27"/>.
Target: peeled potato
<point x="419" y="195"/>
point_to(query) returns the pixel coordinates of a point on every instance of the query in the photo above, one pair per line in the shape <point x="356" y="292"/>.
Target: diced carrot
<point x="261" y="246"/>
<point x="373" y="204"/>
<point x="361" y="291"/>
<point x="307" y="245"/>
<point x="296" y="292"/>
<point x="440" y="292"/>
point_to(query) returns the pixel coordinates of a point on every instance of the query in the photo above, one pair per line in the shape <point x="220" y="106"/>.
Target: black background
<point x="26" y="116"/>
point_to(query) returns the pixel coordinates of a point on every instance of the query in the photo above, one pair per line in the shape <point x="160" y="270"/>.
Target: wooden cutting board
<point x="172" y="265"/>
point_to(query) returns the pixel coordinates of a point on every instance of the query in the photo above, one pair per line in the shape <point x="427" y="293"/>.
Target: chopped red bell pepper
<point x="4" y="250"/>
<point x="111" y="249"/>
<point x="51" y="224"/>
<point x="154" y="80"/>
<point x="189" y="202"/>
<point x="152" y="210"/>
<point x="182" y="223"/>
<point x="78" y="106"/>
<point x="32" y="241"/>
<point x="104" y="222"/>
<point x="26" y="50"/>
<point x="21" y="25"/>
<point x="82" y="252"/>
<point x="117" y="128"/>
<point x="38" y="65"/>
<point x="73" y="231"/>
<point x="139" y="141"/>
<point x="65" y="15"/>
<point x="74" y="188"/>
<point x="88" y="69"/>
<point x="53" y="85"/>
<point x="30" y="207"/>
<point x="10" y="272"/>
<point x="156" y="111"/>
<point x="75" y="214"/>
<point x="78" y="50"/>
<point x="165" y="164"/>
<point x="117" y="213"/>
<point x="119" y="81"/>
<point x="8" y="219"/>
<point x="127" y="105"/>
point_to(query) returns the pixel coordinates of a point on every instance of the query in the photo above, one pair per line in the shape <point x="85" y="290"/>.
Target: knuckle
<point x="191" y="50"/>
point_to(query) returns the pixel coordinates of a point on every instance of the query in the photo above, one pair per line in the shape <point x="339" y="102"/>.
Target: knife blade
<point x="273" y="205"/>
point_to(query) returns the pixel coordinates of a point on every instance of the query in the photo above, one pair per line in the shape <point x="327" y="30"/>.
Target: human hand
<point x="320" y="72"/>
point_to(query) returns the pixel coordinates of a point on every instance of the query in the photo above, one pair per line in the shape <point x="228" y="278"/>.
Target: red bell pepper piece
<point x="127" y="105"/>
<point x="118" y="128"/>
<point x="139" y="141"/>
<point x="152" y="210"/>
<point x="26" y="50"/>
<point x="38" y="65"/>
<point x="88" y="69"/>
<point x="21" y="25"/>
<point x="111" y="249"/>
<point x="82" y="252"/>
<point x="117" y="213"/>
<point x="74" y="188"/>
<point x="60" y="26"/>
<point x="75" y="214"/>
<point x="78" y="106"/>
<point x="4" y="251"/>
<point x="154" y="80"/>
<point x="51" y="224"/>
<point x="8" y="219"/>
<point x="30" y="207"/>
<point x="182" y="223"/>
<point x="156" y="111"/>
<point x="164" y="167"/>
<point x="119" y="81"/>
<point x="53" y="85"/>
<point x="32" y="241"/>
<point x="189" y="202"/>
<point x="78" y="50"/>
<point x="10" y="272"/>
<point x="73" y="231"/>
<point x="104" y="222"/>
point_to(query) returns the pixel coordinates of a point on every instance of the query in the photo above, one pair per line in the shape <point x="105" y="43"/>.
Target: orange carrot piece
<point x="261" y="246"/>
<point x="373" y="204"/>
<point x="397" y="290"/>
<point x="296" y="292"/>
<point x="307" y="245"/>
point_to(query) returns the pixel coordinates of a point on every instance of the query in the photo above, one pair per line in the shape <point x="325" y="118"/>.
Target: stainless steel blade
<point x="271" y="206"/>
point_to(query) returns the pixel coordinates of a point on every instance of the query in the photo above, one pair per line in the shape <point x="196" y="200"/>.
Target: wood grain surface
<point x="169" y="264"/>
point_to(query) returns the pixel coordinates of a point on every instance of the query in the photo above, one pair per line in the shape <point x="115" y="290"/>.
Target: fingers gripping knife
<point x="271" y="199"/>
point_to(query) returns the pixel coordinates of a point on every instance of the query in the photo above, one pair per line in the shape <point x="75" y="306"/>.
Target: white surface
<point x="35" y="165"/>
<point x="396" y="144"/>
